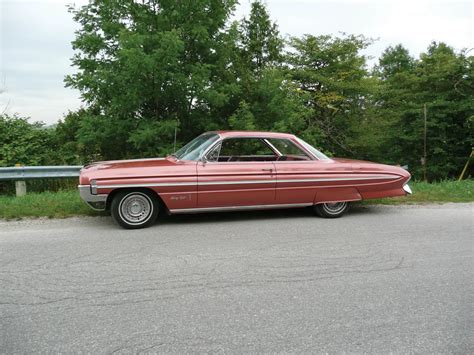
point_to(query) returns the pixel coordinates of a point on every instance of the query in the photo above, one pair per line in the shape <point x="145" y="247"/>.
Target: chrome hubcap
<point x="136" y="208"/>
<point x="334" y="208"/>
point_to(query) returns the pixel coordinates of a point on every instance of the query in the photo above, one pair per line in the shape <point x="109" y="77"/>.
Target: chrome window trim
<point x="237" y="208"/>
<point x="205" y="156"/>
<point x="295" y="161"/>
<point x="311" y="157"/>
<point x="297" y="141"/>
<point x="273" y="148"/>
<point x="264" y="161"/>
<point x="304" y="149"/>
<point x="265" y="139"/>
<point x="222" y="139"/>
<point x="205" y="152"/>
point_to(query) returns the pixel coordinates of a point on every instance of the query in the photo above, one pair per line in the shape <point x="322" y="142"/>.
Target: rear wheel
<point x="331" y="209"/>
<point x="134" y="209"/>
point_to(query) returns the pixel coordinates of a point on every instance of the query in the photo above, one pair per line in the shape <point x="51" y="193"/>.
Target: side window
<point x="242" y="149"/>
<point x="213" y="155"/>
<point x="288" y="149"/>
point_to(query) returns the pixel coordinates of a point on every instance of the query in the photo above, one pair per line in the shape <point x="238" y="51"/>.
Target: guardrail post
<point x="20" y="186"/>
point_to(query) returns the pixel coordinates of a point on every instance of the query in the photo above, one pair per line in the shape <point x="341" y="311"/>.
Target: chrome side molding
<point x="238" y="208"/>
<point x="243" y="182"/>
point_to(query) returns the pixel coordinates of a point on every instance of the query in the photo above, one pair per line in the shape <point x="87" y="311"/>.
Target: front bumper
<point x="96" y="202"/>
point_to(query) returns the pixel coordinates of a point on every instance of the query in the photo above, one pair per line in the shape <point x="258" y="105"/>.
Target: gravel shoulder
<point x="355" y="208"/>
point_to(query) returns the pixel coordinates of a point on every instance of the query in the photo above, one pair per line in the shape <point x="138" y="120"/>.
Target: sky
<point x="36" y="35"/>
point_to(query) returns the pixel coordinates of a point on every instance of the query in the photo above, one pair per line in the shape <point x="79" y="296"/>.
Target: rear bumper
<point x="96" y="202"/>
<point x="407" y="189"/>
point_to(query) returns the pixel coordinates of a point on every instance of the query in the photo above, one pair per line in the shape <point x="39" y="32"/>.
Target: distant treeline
<point x="145" y="68"/>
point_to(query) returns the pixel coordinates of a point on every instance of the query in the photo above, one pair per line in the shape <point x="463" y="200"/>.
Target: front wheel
<point x="331" y="209"/>
<point x="134" y="209"/>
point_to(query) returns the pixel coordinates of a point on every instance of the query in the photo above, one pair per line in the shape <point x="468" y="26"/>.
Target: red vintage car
<point x="235" y="170"/>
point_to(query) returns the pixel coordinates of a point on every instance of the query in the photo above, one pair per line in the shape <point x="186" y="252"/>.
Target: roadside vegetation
<point x="59" y="204"/>
<point x="439" y="192"/>
<point x="67" y="203"/>
<point x="147" y="68"/>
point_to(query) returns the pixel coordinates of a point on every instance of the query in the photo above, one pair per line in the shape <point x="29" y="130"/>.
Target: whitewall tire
<point x="331" y="210"/>
<point x="134" y="209"/>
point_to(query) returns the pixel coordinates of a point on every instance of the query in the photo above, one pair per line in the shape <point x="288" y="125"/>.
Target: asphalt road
<point x="379" y="279"/>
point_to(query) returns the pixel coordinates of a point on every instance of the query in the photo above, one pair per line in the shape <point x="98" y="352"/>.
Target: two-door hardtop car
<point x="235" y="170"/>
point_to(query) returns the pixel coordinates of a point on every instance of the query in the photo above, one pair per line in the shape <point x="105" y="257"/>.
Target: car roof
<point x="260" y="134"/>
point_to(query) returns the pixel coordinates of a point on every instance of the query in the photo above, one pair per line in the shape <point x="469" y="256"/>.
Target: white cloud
<point x="36" y="52"/>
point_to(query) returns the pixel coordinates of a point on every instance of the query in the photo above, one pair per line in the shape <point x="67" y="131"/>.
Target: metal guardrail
<point x="39" y="172"/>
<point x="21" y="173"/>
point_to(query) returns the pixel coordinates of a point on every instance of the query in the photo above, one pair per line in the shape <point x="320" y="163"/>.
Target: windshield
<point x="313" y="150"/>
<point x="194" y="149"/>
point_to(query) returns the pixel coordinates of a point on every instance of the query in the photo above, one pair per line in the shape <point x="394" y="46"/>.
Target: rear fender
<point x="337" y="194"/>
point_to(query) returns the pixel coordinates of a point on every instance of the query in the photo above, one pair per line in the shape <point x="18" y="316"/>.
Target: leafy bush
<point x="25" y="143"/>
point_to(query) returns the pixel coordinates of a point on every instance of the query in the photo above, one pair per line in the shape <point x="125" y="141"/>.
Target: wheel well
<point x="111" y="195"/>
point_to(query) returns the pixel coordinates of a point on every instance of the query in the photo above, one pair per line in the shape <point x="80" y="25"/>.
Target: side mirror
<point x="203" y="160"/>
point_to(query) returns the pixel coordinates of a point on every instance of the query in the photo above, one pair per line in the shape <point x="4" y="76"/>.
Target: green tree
<point x="146" y="68"/>
<point x="74" y="143"/>
<point x="143" y="67"/>
<point x="249" y="74"/>
<point x="25" y="143"/>
<point x="243" y="118"/>
<point x="379" y="134"/>
<point x="442" y="80"/>
<point x="446" y="86"/>
<point x="332" y="73"/>
<point x="260" y="41"/>
<point x="394" y="60"/>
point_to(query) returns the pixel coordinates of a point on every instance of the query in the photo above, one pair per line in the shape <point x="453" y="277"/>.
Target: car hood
<point x="131" y="163"/>
<point x="134" y="168"/>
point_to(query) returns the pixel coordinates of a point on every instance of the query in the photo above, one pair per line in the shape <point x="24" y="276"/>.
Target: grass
<point x="58" y="204"/>
<point x="439" y="192"/>
<point x="67" y="203"/>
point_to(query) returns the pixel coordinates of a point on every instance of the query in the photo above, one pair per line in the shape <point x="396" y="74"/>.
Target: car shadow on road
<point x="290" y="213"/>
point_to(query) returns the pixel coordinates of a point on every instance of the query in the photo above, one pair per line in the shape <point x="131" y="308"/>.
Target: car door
<point x="303" y="179"/>
<point x="295" y="169"/>
<point x="237" y="172"/>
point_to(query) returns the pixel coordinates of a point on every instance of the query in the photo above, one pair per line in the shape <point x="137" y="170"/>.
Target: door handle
<point x="270" y="169"/>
